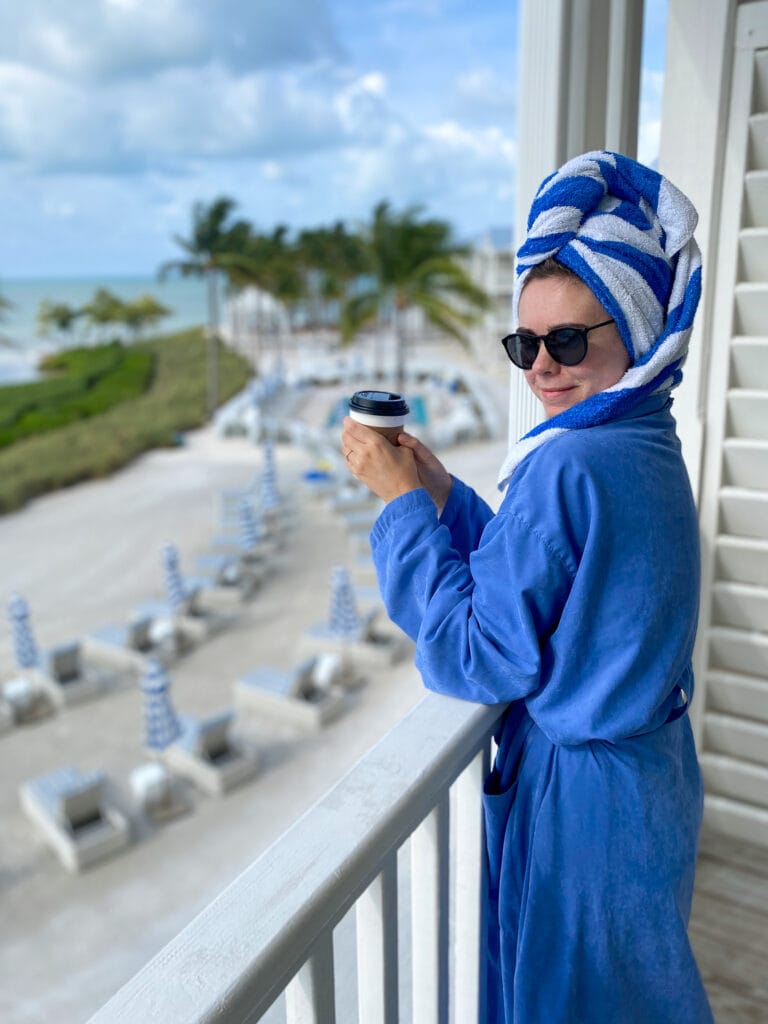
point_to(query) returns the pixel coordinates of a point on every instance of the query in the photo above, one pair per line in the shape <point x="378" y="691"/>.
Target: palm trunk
<point x="399" y="332"/>
<point x="213" y="343"/>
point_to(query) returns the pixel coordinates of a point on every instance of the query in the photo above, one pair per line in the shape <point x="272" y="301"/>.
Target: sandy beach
<point x="85" y="557"/>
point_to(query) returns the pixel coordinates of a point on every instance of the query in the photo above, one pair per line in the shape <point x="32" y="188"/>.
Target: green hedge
<point x="97" y="446"/>
<point x="89" y="382"/>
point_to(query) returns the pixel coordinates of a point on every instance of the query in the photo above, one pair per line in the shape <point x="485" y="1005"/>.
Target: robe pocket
<point x="497" y="806"/>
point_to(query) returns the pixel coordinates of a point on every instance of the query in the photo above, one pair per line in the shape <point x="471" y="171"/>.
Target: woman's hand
<point x="391" y="470"/>
<point x="387" y="469"/>
<point x="433" y="475"/>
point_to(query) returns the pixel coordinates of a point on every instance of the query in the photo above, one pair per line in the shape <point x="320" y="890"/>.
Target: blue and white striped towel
<point x="627" y="232"/>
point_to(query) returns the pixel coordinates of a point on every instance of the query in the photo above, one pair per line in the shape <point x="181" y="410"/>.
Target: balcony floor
<point x="729" y="928"/>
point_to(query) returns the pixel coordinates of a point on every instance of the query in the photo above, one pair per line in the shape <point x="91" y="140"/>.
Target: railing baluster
<point x="470" y="864"/>
<point x="309" y="996"/>
<point x="377" y="964"/>
<point x="429" y="916"/>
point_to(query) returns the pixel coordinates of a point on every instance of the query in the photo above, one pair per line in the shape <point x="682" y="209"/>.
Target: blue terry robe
<point x="577" y="602"/>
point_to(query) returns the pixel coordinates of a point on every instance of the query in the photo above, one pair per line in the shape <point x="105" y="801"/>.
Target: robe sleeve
<point x="477" y="622"/>
<point x="466" y="515"/>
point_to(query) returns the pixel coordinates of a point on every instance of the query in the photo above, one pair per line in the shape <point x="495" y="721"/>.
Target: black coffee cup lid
<point x="379" y="403"/>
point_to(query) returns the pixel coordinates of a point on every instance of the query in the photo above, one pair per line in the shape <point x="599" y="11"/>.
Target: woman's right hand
<point x="433" y="475"/>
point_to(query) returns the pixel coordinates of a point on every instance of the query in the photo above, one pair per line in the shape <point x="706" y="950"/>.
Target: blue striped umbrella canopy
<point x="269" y="497"/>
<point x="25" y="648"/>
<point x="174" y="583"/>
<point x="251" y="526"/>
<point x="343" y="620"/>
<point x="161" y="724"/>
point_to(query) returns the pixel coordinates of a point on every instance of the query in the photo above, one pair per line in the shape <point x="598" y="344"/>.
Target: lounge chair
<point x="307" y="696"/>
<point x="68" y="677"/>
<point x="230" y="574"/>
<point x="366" y="647"/>
<point x="73" y="811"/>
<point x="359" y="641"/>
<point x="179" y="626"/>
<point x="209" y="755"/>
<point x="128" y="645"/>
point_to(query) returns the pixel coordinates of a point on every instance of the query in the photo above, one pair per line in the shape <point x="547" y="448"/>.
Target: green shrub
<point x="89" y="381"/>
<point x="96" y="446"/>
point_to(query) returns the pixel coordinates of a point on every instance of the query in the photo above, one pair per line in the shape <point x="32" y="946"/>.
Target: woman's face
<point x="547" y="303"/>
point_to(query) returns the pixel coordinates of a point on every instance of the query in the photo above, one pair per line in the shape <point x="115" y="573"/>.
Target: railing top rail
<point x="233" y="960"/>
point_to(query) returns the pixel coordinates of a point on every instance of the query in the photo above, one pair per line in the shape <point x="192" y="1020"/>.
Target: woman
<point x="576" y="603"/>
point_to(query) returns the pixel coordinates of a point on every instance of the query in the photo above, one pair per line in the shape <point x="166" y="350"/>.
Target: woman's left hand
<point x="389" y="470"/>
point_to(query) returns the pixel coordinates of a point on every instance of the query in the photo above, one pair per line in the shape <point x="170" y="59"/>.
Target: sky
<point x="117" y="115"/>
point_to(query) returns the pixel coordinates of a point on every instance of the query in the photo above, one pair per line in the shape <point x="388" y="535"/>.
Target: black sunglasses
<point x="566" y="345"/>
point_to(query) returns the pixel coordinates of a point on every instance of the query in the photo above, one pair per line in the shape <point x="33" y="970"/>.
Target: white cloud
<point x="483" y="95"/>
<point x="486" y="143"/>
<point x="181" y="113"/>
<point x="362" y="108"/>
<point x="50" y="124"/>
<point x="463" y="176"/>
<point x="105" y="40"/>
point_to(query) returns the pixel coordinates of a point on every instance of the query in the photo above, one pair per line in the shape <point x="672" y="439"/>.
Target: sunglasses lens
<point x="521" y="349"/>
<point x="567" y="345"/>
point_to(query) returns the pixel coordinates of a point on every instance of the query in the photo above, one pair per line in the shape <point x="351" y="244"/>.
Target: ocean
<point x="21" y="345"/>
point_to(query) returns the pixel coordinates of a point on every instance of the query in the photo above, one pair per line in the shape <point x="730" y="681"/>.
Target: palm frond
<point x="446" y="317"/>
<point x="186" y="268"/>
<point x="357" y="313"/>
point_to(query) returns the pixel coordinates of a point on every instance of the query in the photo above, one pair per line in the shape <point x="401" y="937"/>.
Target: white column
<point x="625" y="51"/>
<point x="377" y="975"/>
<point x="429" y="916"/>
<point x="587" y="79"/>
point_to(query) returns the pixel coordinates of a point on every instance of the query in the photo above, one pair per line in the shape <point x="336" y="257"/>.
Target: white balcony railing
<point x="272" y="930"/>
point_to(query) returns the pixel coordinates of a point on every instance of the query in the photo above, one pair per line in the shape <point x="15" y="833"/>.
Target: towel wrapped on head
<point x="627" y="233"/>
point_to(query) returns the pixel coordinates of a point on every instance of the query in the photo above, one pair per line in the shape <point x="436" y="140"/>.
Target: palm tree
<point x="142" y="312"/>
<point x="330" y="258"/>
<point x="103" y="309"/>
<point x="215" y="247"/>
<point x="271" y="265"/>
<point x="58" y="316"/>
<point x="412" y="263"/>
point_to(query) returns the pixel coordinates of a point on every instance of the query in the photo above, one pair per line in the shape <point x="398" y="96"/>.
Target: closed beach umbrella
<point x="25" y="648"/>
<point x="251" y="527"/>
<point x="161" y="724"/>
<point x="269" y="497"/>
<point x="343" y="620"/>
<point x="174" y="584"/>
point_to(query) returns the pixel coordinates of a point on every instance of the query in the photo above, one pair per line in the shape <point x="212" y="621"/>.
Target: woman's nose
<point x="544" y="363"/>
